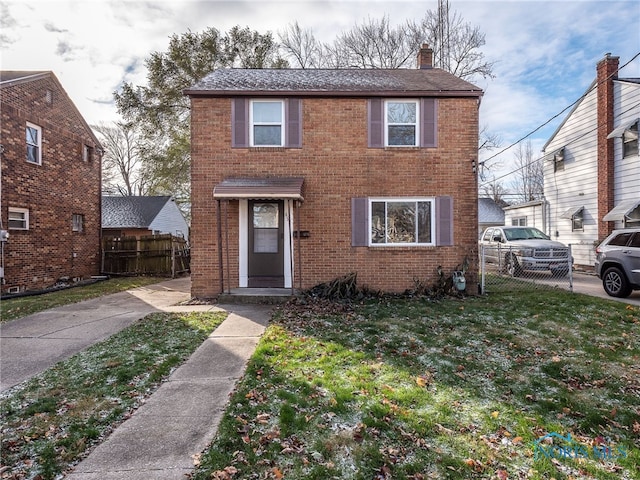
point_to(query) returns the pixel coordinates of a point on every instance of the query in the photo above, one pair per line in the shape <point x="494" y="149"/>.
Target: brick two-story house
<point x="50" y="184"/>
<point x="302" y="176"/>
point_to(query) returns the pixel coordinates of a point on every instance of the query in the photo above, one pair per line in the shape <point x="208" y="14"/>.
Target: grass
<point x="13" y="308"/>
<point x="416" y="389"/>
<point x="52" y="420"/>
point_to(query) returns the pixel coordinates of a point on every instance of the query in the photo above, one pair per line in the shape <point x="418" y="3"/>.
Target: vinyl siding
<point x="170" y="220"/>
<point x="627" y="170"/>
<point x="575" y="186"/>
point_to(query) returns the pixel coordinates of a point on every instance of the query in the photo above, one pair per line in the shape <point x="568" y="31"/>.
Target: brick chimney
<point x="425" y="57"/>
<point x="607" y="72"/>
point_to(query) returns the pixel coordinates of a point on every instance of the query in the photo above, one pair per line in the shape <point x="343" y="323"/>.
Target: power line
<point x="595" y="85"/>
<point x="570" y="142"/>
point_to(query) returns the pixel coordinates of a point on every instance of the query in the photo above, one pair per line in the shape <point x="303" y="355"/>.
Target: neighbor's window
<point x="87" y="153"/>
<point x="18" y="218"/>
<point x="577" y="221"/>
<point x="266" y="118"/>
<point x="630" y="141"/>
<point x="34" y="143"/>
<point x="402" y="221"/>
<point x="519" y="222"/>
<point x="401" y="123"/>
<point x="77" y="222"/>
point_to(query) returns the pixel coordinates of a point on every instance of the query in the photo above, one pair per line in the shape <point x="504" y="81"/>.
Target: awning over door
<point x="624" y="210"/>
<point x="260" y="188"/>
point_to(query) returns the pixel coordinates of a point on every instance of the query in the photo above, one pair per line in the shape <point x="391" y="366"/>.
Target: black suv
<point x="618" y="262"/>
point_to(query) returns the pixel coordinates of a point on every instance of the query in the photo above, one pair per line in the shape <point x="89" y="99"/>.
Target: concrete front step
<point x="267" y="296"/>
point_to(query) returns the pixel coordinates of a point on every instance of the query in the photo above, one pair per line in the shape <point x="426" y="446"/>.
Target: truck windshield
<point x="524" y="234"/>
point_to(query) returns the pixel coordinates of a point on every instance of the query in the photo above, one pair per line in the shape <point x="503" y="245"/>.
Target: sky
<point x="544" y="52"/>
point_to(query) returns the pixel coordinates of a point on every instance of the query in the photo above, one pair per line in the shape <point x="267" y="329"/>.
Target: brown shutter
<point x="240" y="123"/>
<point x="293" y="132"/>
<point x="429" y="124"/>
<point x="375" y="118"/>
<point x="359" y="222"/>
<point x="444" y="221"/>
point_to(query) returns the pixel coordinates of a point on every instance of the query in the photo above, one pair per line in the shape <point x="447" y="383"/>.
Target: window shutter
<point x="429" y="124"/>
<point x="359" y="222"/>
<point x="444" y="221"/>
<point x="375" y="117"/>
<point x="240" y="123"/>
<point x="293" y="132"/>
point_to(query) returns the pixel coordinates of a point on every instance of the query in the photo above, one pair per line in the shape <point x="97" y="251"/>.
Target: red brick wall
<point x="337" y="165"/>
<point x="62" y="186"/>
<point x="606" y="74"/>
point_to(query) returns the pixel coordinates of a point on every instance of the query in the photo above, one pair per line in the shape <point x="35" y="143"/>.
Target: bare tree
<point x="496" y="191"/>
<point x="122" y="162"/>
<point x="300" y="45"/>
<point x="529" y="180"/>
<point x="456" y="44"/>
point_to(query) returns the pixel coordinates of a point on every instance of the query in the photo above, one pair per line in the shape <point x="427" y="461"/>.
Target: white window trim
<point x="39" y="145"/>
<point x="281" y="123"/>
<point x="416" y="125"/>
<point x="404" y="199"/>
<point x="24" y="212"/>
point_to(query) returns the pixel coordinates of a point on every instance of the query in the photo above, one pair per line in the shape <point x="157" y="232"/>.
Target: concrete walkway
<point x="181" y="418"/>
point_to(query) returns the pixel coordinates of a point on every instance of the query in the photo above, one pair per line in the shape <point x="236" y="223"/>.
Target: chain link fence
<point x="504" y="269"/>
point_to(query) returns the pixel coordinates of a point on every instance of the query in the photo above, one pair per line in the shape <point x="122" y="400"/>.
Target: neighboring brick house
<point x="50" y="184"/>
<point x="302" y="176"/>
<point x="144" y="215"/>
<point x="592" y="164"/>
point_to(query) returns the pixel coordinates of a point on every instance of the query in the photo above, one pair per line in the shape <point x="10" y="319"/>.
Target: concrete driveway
<point x="590" y="284"/>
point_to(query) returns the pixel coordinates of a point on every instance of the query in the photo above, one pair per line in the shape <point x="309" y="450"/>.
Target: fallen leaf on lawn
<point x="636" y="427"/>
<point x="276" y="471"/>
<point x="502" y="474"/>
<point x="555" y="358"/>
<point x="421" y="382"/>
<point x="495" y="414"/>
<point x="517" y="440"/>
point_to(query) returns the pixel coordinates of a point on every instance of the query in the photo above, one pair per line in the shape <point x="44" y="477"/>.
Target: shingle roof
<point x="131" y="212"/>
<point x="332" y="82"/>
<point x="489" y="211"/>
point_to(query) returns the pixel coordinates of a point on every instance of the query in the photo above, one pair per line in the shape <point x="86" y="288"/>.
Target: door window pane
<point x="265" y="215"/>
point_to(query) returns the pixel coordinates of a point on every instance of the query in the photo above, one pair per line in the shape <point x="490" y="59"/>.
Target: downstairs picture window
<point x="401" y="221"/>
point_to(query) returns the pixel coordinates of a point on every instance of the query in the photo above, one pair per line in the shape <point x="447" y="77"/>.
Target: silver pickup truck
<point x="519" y="249"/>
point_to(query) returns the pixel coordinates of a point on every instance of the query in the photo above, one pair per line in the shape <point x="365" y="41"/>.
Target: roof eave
<point x="333" y="93"/>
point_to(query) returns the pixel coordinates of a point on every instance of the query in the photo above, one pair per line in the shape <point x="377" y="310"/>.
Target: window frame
<point x="281" y="123"/>
<point x="77" y="222"/>
<point x="87" y="153"/>
<point x="38" y="144"/>
<point x="25" y="218"/>
<point x="417" y="124"/>
<point x="387" y="200"/>
<point x="577" y="221"/>
<point x="517" y="221"/>
<point x="630" y="141"/>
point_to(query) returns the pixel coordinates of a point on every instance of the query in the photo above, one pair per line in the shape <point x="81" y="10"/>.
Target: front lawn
<point x="539" y="384"/>
<point x="51" y="421"/>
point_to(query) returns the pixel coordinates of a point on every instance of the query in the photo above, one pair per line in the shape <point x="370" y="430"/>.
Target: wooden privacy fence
<point x="147" y="255"/>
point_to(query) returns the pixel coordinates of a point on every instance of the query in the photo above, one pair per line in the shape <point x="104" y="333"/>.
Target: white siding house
<point x="530" y="214"/>
<point x="585" y="172"/>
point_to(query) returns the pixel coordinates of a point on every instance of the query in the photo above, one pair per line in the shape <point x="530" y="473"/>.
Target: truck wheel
<point x="511" y="266"/>
<point x="615" y="283"/>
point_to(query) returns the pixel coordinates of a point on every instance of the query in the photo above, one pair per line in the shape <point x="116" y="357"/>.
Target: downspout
<point x="226" y="228"/>
<point x="291" y="252"/>
<point x="299" y="250"/>
<point x="220" y="266"/>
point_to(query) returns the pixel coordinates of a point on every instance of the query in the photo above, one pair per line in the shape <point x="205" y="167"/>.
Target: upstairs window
<point x="87" y="153"/>
<point x="259" y="126"/>
<point x="34" y="144"/>
<point x="630" y="141"/>
<point x="401" y="123"/>
<point x="266" y="118"/>
<point x="77" y="223"/>
<point x="18" y="218"/>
